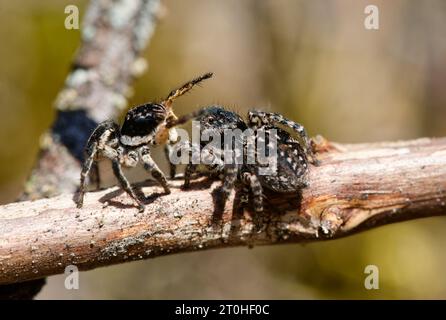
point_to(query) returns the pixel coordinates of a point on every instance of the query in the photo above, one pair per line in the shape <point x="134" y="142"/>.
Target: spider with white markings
<point x="294" y="152"/>
<point x="144" y="125"/>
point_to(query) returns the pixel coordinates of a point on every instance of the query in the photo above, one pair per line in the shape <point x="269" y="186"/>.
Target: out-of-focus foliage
<point x="311" y="60"/>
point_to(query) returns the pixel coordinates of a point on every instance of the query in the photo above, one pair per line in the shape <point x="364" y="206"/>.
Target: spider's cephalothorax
<point x="294" y="152"/>
<point x="144" y="125"/>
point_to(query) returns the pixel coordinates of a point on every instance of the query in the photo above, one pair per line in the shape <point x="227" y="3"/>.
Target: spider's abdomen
<point x="290" y="172"/>
<point x="291" y="166"/>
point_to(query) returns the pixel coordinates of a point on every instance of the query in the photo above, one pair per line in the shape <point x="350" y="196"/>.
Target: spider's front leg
<point x="86" y="167"/>
<point x="256" y="189"/>
<point x="125" y="184"/>
<point x="151" y="167"/>
<point x="230" y="175"/>
<point x="99" y="141"/>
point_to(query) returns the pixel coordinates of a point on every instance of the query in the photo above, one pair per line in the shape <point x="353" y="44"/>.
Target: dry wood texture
<point x="356" y="187"/>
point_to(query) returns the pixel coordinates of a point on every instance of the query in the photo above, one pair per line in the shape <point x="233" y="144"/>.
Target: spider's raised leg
<point x="184" y="88"/>
<point x="125" y="184"/>
<point x="256" y="189"/>
<point x="100" y="140"/>
<point x="259" y="117"/>
<point x="151" y="167"/>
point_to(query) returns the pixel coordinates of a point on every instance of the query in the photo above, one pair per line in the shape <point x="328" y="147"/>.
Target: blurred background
<point x="314" y="62"/>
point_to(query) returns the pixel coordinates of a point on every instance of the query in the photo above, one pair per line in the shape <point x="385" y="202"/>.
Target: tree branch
<point x="356" y="187"/>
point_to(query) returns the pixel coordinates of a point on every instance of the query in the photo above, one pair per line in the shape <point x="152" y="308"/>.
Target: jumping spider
<point x="144" y="125"/>
<point x="293" y="155"/>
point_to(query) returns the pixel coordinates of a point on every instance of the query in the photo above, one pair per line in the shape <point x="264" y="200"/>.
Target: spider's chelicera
<point x="293" y="152"/>
<point x="144" y="125"/>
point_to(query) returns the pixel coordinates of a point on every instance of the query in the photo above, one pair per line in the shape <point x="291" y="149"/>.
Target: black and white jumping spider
<point x="144" y="125"/>
<point x="293" y="155"/>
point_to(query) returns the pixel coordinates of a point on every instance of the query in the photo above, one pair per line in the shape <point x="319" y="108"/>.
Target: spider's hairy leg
<point x="185" y="88"/>
<point x="95" y="175"/>
<point x="230" y="175"/>
<point x="105" y="133"/>
<point x="125" y="184"/>
<point x="86" y="166"/>
<point x="256" y="189"/>
<point x="188" y="172"/>
<point x="274" y="118"/>
<point x="151" y="167"/>
<point x="191" y="167"/>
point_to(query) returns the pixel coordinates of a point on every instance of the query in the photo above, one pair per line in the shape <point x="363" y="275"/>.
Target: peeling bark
<point x="356" y="187"/>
